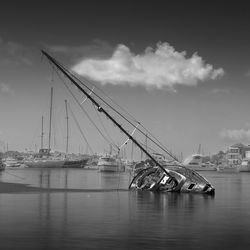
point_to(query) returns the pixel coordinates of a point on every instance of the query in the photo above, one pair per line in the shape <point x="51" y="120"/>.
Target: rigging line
<point x="135" y="120"/>
<point x="163" y="147"/>
<point x="105" y="102"/>
<point x="160" y="145"/>
<point x="154" y="151"/>
<point x="78" y="125"/>
<point x="83" y="109"/>
<point x="100" y="119"/>
<point x="86" y="98"/>
<point x="149" y="148"/>
<point x="129" y="138"/>
<point x="92" y="83"/>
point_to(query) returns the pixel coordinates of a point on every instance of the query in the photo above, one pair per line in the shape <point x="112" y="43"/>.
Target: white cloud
<point x="235" y="134"/>
<point x="155" y="68"/>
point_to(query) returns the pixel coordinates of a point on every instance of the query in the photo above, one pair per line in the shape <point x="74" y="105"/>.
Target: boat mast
<point x="50" y="114"/>
<point x="199" y="149"/>
<point x="42" y="134"/>
<point x="67" y="128"/>
<point x="110" y="149"/>
<point x="101" y="110"/>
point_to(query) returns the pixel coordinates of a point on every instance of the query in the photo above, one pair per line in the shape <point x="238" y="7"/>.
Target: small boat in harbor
<point x="194" y="162"/>
<point x="245" y="165"/>
<point x="109" y="163"/>
<point x="11" y="162"/>
<point x="228" y="168"/>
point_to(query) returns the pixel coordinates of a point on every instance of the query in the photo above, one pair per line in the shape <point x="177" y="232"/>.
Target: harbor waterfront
<point x="124" y="125"/>
<point x="88" y="209"/>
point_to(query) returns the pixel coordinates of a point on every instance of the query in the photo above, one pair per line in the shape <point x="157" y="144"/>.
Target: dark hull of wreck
<point x="176" y="179"/>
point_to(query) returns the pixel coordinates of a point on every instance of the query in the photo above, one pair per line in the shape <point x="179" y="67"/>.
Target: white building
<point x="233" y="156"/>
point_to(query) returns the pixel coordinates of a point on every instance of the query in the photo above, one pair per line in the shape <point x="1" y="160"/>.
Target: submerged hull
<point x="175" y="178"/>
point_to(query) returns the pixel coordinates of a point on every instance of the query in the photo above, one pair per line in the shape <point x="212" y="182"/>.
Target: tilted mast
<point x="101" y="110"/>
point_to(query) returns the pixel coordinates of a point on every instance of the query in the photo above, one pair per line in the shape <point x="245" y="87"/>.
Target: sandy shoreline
<point x="7" y="188"/>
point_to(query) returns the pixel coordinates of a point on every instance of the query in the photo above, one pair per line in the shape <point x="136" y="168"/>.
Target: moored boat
<point x="245" y="165"/>
<point x="110" y="163"/>
<point x="232" y="168"/>
<point x="46" y="160"/>
<point x="11" y="162"/>
<point x="195" y="163"/>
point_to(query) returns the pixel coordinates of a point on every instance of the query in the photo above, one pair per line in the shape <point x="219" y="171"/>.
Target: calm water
<point x="122" y="219"/>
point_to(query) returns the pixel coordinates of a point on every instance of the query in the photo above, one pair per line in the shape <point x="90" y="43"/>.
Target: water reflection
<point x="122" y="220"/>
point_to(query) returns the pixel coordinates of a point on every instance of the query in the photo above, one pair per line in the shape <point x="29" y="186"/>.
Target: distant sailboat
<point x="44" y="159"/>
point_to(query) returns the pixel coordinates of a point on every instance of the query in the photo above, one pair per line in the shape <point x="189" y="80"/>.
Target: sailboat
<point x="174" y="177"/>
<point x="45" y="159"/>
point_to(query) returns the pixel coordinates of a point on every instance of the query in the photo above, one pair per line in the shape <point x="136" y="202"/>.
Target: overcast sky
<point x="182" y="68"/>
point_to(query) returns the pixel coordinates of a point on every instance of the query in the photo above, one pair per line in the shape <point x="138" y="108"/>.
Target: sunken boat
<point x="152" y="175"/>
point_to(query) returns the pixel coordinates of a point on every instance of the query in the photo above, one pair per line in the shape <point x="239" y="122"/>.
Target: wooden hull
<point x="56" y="163"/>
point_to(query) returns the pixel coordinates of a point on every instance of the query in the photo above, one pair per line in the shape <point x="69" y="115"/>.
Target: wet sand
<point x="7" y="187"/>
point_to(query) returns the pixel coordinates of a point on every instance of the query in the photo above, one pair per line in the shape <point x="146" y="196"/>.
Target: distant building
<point x="233" y="156"/>
<point x="236" y="153"/>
